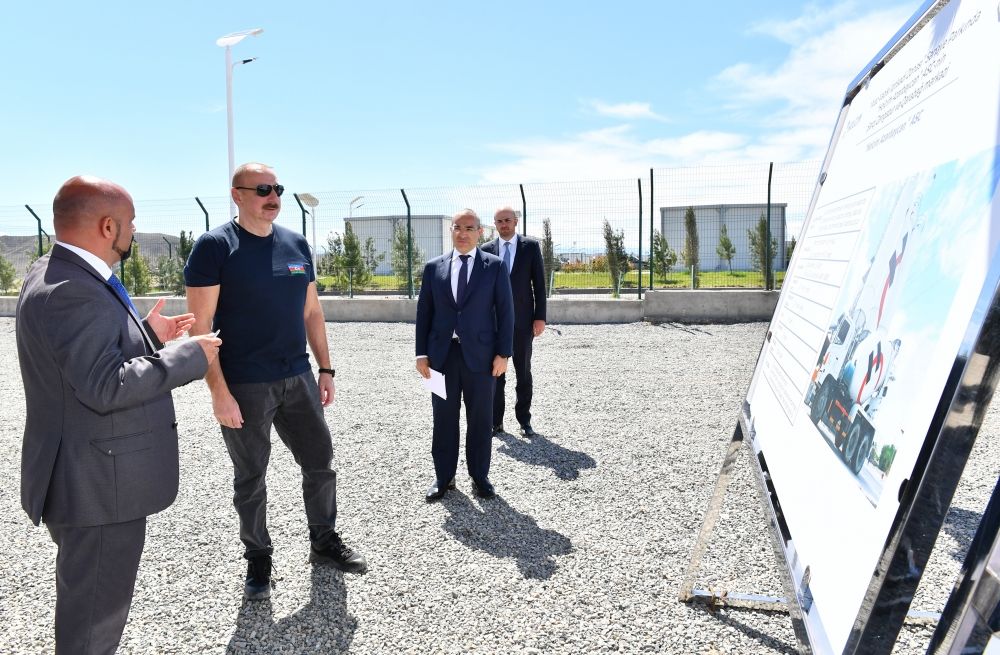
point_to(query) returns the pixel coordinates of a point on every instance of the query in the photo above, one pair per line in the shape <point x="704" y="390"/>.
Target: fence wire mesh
<point x="700" y="226"/>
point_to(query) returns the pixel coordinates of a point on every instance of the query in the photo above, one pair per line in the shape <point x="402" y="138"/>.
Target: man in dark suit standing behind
<point x="100" y="437"/>
<point x="465" y="325"/>
<point x="522" y="256"/>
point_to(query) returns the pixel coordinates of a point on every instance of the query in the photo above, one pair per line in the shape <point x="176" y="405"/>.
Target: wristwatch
<point x="331" y="371"/>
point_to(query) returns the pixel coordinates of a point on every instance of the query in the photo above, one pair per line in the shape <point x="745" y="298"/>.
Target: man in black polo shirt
<point x="254" y="282"/>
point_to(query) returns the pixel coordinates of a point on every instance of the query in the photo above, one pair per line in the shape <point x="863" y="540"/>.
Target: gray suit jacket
<point x="100" y="438"/>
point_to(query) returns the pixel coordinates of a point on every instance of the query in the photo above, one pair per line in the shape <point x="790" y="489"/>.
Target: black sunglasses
<point x="264" y="190"/>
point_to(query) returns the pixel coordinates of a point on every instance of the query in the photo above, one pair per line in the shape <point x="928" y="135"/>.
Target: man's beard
<point x="122" y="254"/>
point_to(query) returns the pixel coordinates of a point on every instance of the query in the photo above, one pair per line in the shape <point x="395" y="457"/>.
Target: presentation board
<point x="884" y="295"/>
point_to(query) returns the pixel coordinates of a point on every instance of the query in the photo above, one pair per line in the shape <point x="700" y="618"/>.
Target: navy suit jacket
<point x="484" y="322"/>
<point x="527" y="281"/>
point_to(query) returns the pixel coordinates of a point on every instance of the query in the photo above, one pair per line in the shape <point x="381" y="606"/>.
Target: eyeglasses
<point x="467" y="228"/>
<point x="264" y="190"/>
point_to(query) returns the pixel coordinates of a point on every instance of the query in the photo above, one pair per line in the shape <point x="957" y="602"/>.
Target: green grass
<point x="599" y="281"/>
<point x="674" y="280"/>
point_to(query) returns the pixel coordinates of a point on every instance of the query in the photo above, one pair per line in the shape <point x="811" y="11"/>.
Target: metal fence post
<point x="640" y="237"/>
<point x="40" y="230"/>
<point x="768" y="268"/>
<point x="198" y="200"/>
<point x="651" y="221"/>
<point x="303" y="209"/>
<point x="409" y="245"/>
<point x="170" y="247"/>
<point x="350" y="282"/>
<point x="524" y="212"/>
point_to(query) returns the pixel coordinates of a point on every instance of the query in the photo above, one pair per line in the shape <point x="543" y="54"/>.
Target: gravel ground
<point x="583" y="551"/>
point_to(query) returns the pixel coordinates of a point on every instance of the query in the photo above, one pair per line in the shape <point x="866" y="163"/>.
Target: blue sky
<point x="393" y="94"/>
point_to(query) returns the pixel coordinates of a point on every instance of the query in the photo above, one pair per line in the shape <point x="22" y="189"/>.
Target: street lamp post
<point x="354" y="203"/>
<point x="227" y="42"/>
<point x="310" y="201"/>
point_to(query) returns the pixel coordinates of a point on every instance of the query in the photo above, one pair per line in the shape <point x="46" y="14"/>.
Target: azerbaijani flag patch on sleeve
<point x="296" y="269"/>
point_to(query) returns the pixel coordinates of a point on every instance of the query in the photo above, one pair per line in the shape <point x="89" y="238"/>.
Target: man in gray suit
<point x="100" y="437"/>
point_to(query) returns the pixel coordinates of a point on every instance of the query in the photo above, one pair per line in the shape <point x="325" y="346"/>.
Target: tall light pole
<point x="227" y="42"/>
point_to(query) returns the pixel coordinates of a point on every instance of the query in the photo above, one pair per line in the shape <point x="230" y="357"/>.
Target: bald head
<point x="83" y="200"/>
<point x="94" y="214"/>
<point x="505" y="220"/>
<point x="251" y="167"/>
<point x="467" y="212"/>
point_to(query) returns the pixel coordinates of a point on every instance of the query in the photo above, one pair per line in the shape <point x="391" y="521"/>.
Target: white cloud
<point x="626" y="110"/>
<point x="785" y="111"/>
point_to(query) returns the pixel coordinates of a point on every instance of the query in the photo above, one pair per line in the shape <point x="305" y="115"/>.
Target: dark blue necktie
<point x="463" y="279"/>
<point x="119" y="288"/>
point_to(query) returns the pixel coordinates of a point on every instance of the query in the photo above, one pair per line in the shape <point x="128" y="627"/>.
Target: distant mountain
<point x="18" y="249"/>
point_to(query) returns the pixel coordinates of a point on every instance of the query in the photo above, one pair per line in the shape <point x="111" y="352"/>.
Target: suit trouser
<point x="521" y="359"/>
<point x="477" y="389"/>
<point x="96" y="568"/>
<point x="293" y="407"/>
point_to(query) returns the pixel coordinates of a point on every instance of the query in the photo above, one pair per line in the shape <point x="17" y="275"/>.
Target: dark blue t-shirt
<point x="262" y="295"/>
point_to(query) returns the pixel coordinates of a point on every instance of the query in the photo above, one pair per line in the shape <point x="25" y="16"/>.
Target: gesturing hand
<point x="168" y="328"/>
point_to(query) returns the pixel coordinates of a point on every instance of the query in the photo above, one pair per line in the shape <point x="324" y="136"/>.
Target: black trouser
<point x="476" y="387"/>
<point x="95" y="577"/>
<point x="293" y="406"/>
<point x="522" y="367"/>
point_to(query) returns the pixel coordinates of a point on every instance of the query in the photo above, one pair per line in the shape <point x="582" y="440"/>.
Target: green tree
<point x="135" y="273"/>
<point x="169" y="275"/>
<point x="725" y="249"/>
<point x="184" y="246"/>
<point x="691" y="241"/>
<point x="169" y="271"/>
<point x="7" y="273"/>
<point x="350" y="261"/>
<point x="614" y="244"/>
<point x="788" y="252"/>
<point x="33" y="256"/>
<point x="549" y="261"/>
<point x="664" y="256"/>
<point x="759" y="236"/>
<point x="401" y="251"/>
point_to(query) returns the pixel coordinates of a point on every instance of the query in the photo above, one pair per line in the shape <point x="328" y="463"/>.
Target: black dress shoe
<point x="436" y="491"/>
<point x="526" y="431"/>
<point x="483" y="488"/>
<point x="497" y="429"/>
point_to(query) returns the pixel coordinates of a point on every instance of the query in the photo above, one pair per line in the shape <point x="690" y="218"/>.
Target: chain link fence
<point x="720" y="226"/>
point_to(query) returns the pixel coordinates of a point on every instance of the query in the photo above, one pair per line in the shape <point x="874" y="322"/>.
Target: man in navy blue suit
<point x="465" y="330"/>
<point x="522" y="256"/>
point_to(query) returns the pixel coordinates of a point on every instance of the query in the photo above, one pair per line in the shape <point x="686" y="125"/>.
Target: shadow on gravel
<point x="729" y="618"/>
<point x="540" y="451"/>
<point x="321" y="626"/>
<point x="499" y="530"/>
<point x="690" y="329"/>
<point x="961" y="525"/>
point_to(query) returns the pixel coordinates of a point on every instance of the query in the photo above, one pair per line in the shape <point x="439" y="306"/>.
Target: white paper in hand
<point x="435" y="384"/>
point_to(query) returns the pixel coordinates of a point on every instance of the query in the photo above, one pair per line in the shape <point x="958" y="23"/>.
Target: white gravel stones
<point x="582" y="552"/>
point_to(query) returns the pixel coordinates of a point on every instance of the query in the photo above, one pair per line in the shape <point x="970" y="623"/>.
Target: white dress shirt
<point x="99" y="265"/>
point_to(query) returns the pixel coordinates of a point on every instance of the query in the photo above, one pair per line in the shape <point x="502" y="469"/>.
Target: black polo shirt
<point x="262" y="295"/>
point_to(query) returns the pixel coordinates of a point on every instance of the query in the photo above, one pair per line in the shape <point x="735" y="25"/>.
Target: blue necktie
<point x="119" y="288"/>
<point x="463" y="279"/>
<point x="506" y="256"/>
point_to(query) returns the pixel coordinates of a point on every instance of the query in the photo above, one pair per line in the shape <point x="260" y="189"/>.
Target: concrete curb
<point x="682" y="306"/>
